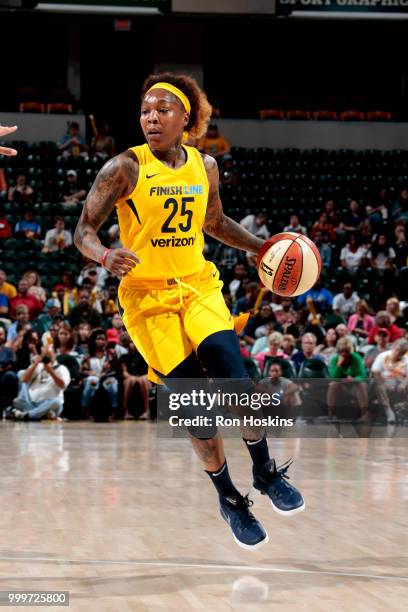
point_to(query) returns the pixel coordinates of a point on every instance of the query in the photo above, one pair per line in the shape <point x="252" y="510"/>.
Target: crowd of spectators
<point x="69" y="345"/>
<point x="350" y="327"/>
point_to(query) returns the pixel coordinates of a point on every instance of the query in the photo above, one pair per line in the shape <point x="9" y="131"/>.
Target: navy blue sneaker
<point x="247" y="531"/>
<point x="272" y="481"/>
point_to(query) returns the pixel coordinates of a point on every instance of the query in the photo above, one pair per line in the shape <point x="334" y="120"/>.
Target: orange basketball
<point x="289" y="264"/>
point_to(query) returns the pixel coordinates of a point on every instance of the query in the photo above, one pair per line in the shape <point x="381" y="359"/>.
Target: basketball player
<point x="4" y="131"/>
<point x="166" y="194"/>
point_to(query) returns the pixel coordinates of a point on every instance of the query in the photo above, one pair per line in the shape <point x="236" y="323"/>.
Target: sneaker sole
<point x="254" y="546"/>
<point x="278" y="510"/>
<point x="288" y="512"/>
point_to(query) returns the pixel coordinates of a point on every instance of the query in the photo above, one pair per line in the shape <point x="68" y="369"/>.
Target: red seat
<point x="301" y="115"/>
<point x="378" y="116"/>
<point x="325" y="115"/>
<point x="352" y="115"/>
<point x="31" y="107"/>
<point x="59" y="107"/>
<point x="271" y="113"/>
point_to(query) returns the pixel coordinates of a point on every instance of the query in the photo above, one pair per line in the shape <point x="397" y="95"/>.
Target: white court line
<point x="206" y="566"/>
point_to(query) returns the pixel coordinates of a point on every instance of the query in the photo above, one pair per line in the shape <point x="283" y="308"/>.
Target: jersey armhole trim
<point x="124" y="199"/>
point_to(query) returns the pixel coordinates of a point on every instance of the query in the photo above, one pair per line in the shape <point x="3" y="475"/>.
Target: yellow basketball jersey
<point x="162" y="219"/>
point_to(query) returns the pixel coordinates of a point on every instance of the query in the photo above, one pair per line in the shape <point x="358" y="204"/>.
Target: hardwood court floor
<point x="128" y="522"/>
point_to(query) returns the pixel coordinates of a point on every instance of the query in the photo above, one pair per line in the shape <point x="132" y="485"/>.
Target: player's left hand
<point x="4" y="131"/>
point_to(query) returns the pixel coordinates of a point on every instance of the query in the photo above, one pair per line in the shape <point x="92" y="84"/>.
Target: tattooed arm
<point x="220" y="226"/>
<point x="115" y="180"/>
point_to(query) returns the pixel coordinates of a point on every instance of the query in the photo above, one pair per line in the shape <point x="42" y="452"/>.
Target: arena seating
<point x="278" y="181"/>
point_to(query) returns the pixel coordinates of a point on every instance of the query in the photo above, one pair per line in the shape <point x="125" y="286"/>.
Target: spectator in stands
<point x="74" y="191"/>
<point x="344" y="303"/>
<point x="23" y="297"/>
<point x="383" y="320"/>
<point x="295" y="226"/>
<point x="84" y="312"/>
<point x="330" y="210"/>
<point x="21" y="193"/>
<point x="275" y="340"/>
<point x="5" y="227"/>
<point x="382" y="338"/>
<point x="256" y="225"/>
<point x="43" y="323"/>
<point x="379" y="212"/>
<point x="133" y="369"/>
<point x="34" y="285"/>
<point x="399" y="208"/>
<point x="27" y="350"/>
<point x="343" y="331"/>
<point x="286" y="388"/>
<point x="259" y="323"/>
<point x="323" y="227"/>
<point x="42" y="389"/>
<point x="99" y="369"/>
<point x="394" y="310"/>
<point x="72" y="143"/>
<point x="50" y="336"/>
<point x="322" y="297"/>
<point x="361" y="323"/>
<point x="353" y="255"/>
<point x="381" y="254"/>
<point x="116" y="327"/>
<point x="246" y="303"/>
<point x="28" y="227"/>
<point x="88" y="270"/>
<point x="84" y="332"/>
<point x="348" y="366"/>
<point x="103" y="144"/>
<point x="308" y="348"/>
<point x="70" y="296"/>
<point x="390" y="370"/>
<point x="65" y="342"/>
<point x="289" y="345"/>
<point x="6" y="288"/>
<point x="114" y="237"/>
<point x="22" y="319"/>
<point x="352" y="219"/>
<point x="4" y="307"/>
<point x="261" y="343"/>
<point x="3" y="183"/>
<point x="400" y="247"/>
<point x="365" y="234"/>
<point x="58" y="238"/>
<point x="324" y="250"/>
<point x="8" y="378"/>
<point x="213" y="142"/>
<point x="327" y="349"/>
<point x="235" y="286"/>
<point x="109" y="298"/>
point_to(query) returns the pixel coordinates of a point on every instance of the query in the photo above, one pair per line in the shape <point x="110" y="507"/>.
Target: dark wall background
<point x="247" y="63"/>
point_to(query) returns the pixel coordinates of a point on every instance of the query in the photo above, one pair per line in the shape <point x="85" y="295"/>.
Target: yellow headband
<point x="175" y="91"/>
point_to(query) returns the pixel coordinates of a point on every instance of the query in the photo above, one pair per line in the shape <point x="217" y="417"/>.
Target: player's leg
<point x="210" y="329"/>
<point x="234" y="508"/>
<point x="221" y="357"/>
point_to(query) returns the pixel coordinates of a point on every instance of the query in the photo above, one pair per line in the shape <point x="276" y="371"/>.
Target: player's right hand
<point x="121" y="261"/>
<point x="4" y="131"/>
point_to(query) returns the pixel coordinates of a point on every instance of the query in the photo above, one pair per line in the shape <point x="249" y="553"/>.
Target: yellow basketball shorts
<point x="168" y="319"/>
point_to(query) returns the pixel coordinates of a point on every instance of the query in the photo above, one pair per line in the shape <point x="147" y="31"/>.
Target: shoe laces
<point x="242" y="509"/>
<point x="280" y="474"/>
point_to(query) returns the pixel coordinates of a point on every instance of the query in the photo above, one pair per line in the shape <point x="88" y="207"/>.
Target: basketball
<point x="289" y="264"/>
